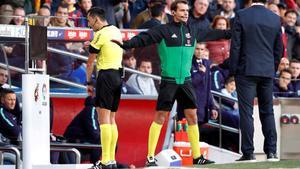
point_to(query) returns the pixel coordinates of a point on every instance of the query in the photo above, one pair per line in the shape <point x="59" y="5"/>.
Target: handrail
<point x="74" y="150"/>
<point x="224" y="127"/>
<point x="73" y="55"/>
<point x="16" y="152"/>
<point x="220" y="125"/>
<point x="51" y="77"/>
<point x="218" y="94"/>
<point x="77" y="145"/>
<point x="84" y="58"/>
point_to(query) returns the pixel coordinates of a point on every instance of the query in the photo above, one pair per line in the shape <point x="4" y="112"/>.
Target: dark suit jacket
<point x="256" y="42"/>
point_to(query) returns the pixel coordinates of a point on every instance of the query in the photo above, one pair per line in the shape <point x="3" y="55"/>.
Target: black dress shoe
<point x="247" y="158"/>
<point x="272" y="157"/>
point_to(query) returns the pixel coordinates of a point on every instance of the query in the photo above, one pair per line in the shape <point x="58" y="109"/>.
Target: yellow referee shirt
<point x="110" y="54"/>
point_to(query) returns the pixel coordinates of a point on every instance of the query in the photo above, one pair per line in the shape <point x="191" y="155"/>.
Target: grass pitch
<point x="282" y="164"/>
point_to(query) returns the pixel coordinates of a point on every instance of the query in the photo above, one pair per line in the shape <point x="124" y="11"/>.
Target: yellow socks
<point x="114" y="140"/>
<point x="193" y="134"/>
<point x="106" y="137"/>
<point x="154" y="133"/>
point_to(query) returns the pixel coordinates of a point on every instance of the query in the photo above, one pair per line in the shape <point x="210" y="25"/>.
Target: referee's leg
<point x="105" y="133"/>
<point x="154" y="131"/>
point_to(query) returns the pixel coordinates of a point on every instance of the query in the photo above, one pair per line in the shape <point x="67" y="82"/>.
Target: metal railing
<point x="84" y="58"/>
<point x="51" y="77"/>
<point x="73" y="150"/>
<point x="56" y="147"/>
<point x="14" y="150"/>
<point x="219" y="125"/>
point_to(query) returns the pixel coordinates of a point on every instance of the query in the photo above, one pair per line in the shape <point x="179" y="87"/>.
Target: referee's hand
<point x="118" y="43"/>
<point x="90" y="90"/>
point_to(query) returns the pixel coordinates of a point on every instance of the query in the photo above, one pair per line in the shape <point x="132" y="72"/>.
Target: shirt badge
<point x="188" y="35"/>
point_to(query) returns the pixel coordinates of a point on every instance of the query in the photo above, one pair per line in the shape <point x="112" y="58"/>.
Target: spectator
<point x="16" y="51"/>
<point x="143" y="85"/>
<point x="18" y="18"/>
<point x="61" y="20"/>
<point x="295" y="70"/>
<point x="298" y="8"/>
<point x="84" y="128"/>
<point x="282" y="9"/>
<point x="290" y="29"/>
<point x="45" y="13"/>
<point x="290" y="18"/>
<point x="218" y="76"/>
<point x="230" y="114"/>
<point x="145" y="15"/>
<point x="213" y="8"/>
<point x="201" y="80"/>
<point x="9" y="125"/>
<point x="296" y="47"/>
<point x="282" y="86"/>
<point x="197" y="15"/>
<point x="59" y="65"/>
<point x="74" y="14"/>
<point x="276" y="2"/>
<point x="219" y="50"/>
<point x="122" y="14"/>
<point x="85" y="6"/>
<point x="130" y="62"/>
<point x="3" y="85"/>
<point x="108" y="6"/>
<point x="168" y="10"/>
<point x="137" y="6"/>
<point x="54" y="6"/>
<point x="6" y="9"/>
<point x="3" y="78"/>
<point x="201" y="51"/>
<point x="284" y="64"/>
<point x="157" y="15"/>
<point x="227" y="9"/>
<point x="62" y="17"/>
<point x="229" y="89"/>
<point x="274" y="8"/>
<point x="129" y="59"/>
<point x="247" y="3"/>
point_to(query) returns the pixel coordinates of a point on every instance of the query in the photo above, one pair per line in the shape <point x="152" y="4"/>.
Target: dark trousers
<point x="247" y="88"/>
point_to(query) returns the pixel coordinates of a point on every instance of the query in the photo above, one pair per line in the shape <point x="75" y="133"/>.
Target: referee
<point x="108" y="89"/>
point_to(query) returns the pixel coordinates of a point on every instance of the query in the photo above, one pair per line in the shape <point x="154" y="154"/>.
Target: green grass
<point x="283" y="164"/>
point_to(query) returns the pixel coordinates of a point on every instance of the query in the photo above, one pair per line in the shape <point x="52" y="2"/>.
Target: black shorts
<point x="170" y="91"/>
<point x="108" y="89"/>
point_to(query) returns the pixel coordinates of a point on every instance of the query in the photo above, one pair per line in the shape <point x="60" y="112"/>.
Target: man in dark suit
<point x="256" y="48"/>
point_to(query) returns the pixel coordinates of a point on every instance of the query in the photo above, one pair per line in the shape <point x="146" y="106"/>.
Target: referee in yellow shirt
<point x="108" y="89"/>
